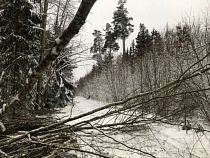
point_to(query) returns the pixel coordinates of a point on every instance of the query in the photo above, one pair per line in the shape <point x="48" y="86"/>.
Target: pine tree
<point x="122" y="23"/>
<point x="110" y="44"/>
<point x="97" y="42"/>
<point x="97" y="47"/>
<point x="19" y="45"/>
<point x="143" y="40"/>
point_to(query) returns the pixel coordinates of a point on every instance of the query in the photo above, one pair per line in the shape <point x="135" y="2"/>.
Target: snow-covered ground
<point x="160" y="140"/>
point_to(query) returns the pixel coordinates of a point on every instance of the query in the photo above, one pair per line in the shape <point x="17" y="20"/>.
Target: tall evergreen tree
<point x="97" y="47"/>
<point x="19" y="45"/>
<point x="132" y="50"/>
<point x="110" y="44"/>
<point x="143" y="40"/>
<point x="157" y="41"/>
<point x="122" y="23"/>
<point x="132" y="53"/>
<point x="97" y="42"/>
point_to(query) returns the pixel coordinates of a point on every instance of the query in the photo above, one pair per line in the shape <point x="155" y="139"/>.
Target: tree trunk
<point x="124" y="53"/>
<point x="42" y="41"/>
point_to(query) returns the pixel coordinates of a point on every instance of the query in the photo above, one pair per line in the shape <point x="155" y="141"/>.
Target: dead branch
<point x="142" y="152"/>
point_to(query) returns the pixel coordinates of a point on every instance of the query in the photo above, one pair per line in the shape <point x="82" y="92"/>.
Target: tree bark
<point x="124" y="53"/>
<point x="42" y="41"/>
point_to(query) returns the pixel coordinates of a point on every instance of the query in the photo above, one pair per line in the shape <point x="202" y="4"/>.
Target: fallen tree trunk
<point x="39" y="145"/>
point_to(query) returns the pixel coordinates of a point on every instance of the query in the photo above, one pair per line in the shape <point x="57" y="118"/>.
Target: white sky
<point x="153" y="13"/>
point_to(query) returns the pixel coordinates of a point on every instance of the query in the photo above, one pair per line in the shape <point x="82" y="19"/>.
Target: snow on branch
<point x="3" y="128"/>
<point x="14" y="99"/>
<point x="54" y="51"/>
<point x="3" y="153"/>
<point x="2" y="74"/>
<point x="57" y="41"/>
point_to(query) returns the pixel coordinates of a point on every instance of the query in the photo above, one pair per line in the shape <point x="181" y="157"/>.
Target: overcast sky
<point x="153" y="13"/>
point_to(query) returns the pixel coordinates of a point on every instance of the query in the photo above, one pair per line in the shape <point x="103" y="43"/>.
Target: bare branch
<point x="143" y="152"/>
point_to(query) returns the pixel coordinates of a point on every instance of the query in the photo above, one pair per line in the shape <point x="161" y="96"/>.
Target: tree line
<point x="154" y="58"/>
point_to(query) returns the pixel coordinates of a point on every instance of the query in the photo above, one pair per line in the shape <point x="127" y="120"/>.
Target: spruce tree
<point x="19" y="45"/>
<point x="132" y="54"/>
<point x="143" y="40"/>
<point x="122" y="23"/>
<point x="132" y="51"/>
<point x="60" y="91"/>
<point x="157" y="41"/>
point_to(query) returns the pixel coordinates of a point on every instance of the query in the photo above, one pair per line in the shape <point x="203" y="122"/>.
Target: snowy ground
<point x="161" y="140"/>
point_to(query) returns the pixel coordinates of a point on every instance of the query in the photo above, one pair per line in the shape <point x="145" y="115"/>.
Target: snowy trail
<point x="161" y="140"/>
<point x="83" y="105"/>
